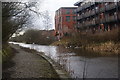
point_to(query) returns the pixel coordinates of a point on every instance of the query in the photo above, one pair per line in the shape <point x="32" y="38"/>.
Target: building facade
<point x="98" y="16"/>
<point x="65" y="20"/>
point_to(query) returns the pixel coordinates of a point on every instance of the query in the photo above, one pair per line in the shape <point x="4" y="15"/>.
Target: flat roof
<point x="66" y="8"/>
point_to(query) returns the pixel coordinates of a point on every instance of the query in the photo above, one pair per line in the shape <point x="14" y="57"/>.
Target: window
<point x="74" y="18"/>
<point x="67" y="18"/>
<point x="67" y="11"/>
<point x="60" y="19"/>
<point x="74" y="12"/>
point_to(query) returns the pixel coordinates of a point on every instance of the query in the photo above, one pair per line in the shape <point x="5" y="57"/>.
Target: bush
<point x="42" y="37"/>
<point x="112" y="35"/>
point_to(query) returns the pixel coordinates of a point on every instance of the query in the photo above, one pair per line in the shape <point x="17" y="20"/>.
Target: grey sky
<point x="52" y="6"/>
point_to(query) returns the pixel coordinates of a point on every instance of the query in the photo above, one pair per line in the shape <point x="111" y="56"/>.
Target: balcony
<point x="111" y="18"/>
<point x="93" y="22"/>
<point x="102" y="20"/>
<point x="92" y="12"/>
<point x="110" y="6"/>
<point x="86" y="23"/>
<point x="80" y="25"/>
<point x="79" y="17"/>
<point x="87" y="14"/>
<point x="87" y="5"/>
<point x="79" y="9"/>
<point x="119" y="17"/>
<point x="89" y="23"/>
<point x="97" y="20"/>
<point x="84" y="6"/>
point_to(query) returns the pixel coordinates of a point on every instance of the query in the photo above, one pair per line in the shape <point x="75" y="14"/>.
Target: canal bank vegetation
<point x="33" y="36"/>
<point x="103" y="41"/>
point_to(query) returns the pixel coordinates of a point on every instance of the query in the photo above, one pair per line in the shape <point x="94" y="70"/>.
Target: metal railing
<point x="86" y="14"/>
<point x="79" y="25"/>
<point x="111" y="18"/>
<point x="92" y="12"/>
<point x="79" y="17"/>
<point x="108" y="7"/>
<point x="79" y="9"/>
<point x="87" y="5"/>
<point x="97" y="20"/>
<point x="119" y="17"/>
<point x="111" y="6"/>
<point x="89" y="23"/>
<point x="102" y="20"/>
<point x="93" y="22"/>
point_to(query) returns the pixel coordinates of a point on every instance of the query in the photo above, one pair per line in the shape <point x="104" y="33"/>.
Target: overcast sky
<point x="52" y="6"/>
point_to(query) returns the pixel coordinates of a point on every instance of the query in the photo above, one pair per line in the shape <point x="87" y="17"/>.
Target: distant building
<point x="65" y="20"/>
<point x="97" y="16"/>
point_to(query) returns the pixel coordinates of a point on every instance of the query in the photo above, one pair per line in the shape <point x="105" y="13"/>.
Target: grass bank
<point x="7" y="53"/>
<point x="103" y="41"/>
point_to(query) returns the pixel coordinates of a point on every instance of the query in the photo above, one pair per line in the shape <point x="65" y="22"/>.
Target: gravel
<point x="27" y="64"/>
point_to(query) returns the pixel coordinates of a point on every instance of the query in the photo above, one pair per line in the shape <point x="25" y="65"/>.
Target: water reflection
<point x="79" y="61"/>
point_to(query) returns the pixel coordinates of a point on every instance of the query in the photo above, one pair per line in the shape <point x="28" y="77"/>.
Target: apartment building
<point x="65" y="20"/>
<point x="97" y="16"/>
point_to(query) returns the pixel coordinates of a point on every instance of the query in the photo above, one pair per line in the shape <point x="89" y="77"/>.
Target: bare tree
<point x="47" y="20"/>
<point x="14" y="16"/>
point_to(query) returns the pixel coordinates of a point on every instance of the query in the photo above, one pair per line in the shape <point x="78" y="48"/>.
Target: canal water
<point x="80" y="63"/>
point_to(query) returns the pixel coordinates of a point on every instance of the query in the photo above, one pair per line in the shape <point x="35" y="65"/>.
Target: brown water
<point x="80" y="63"/>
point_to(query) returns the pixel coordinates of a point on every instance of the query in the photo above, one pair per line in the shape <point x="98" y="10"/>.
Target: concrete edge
<point x="61" y="73"/>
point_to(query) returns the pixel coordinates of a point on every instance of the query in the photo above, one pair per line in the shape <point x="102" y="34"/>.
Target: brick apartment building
<point x="65" y="20"/>
<point x="97" y="16"/>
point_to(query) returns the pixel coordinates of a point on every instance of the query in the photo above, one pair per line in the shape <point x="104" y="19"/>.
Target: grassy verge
<point x="7" y="53"/>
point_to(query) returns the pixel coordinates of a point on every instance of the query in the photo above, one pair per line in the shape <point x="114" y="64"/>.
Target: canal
<point x="80" y="63"/>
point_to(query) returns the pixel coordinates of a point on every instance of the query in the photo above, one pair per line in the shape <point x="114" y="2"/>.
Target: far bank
<point x="103" y="41"/>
